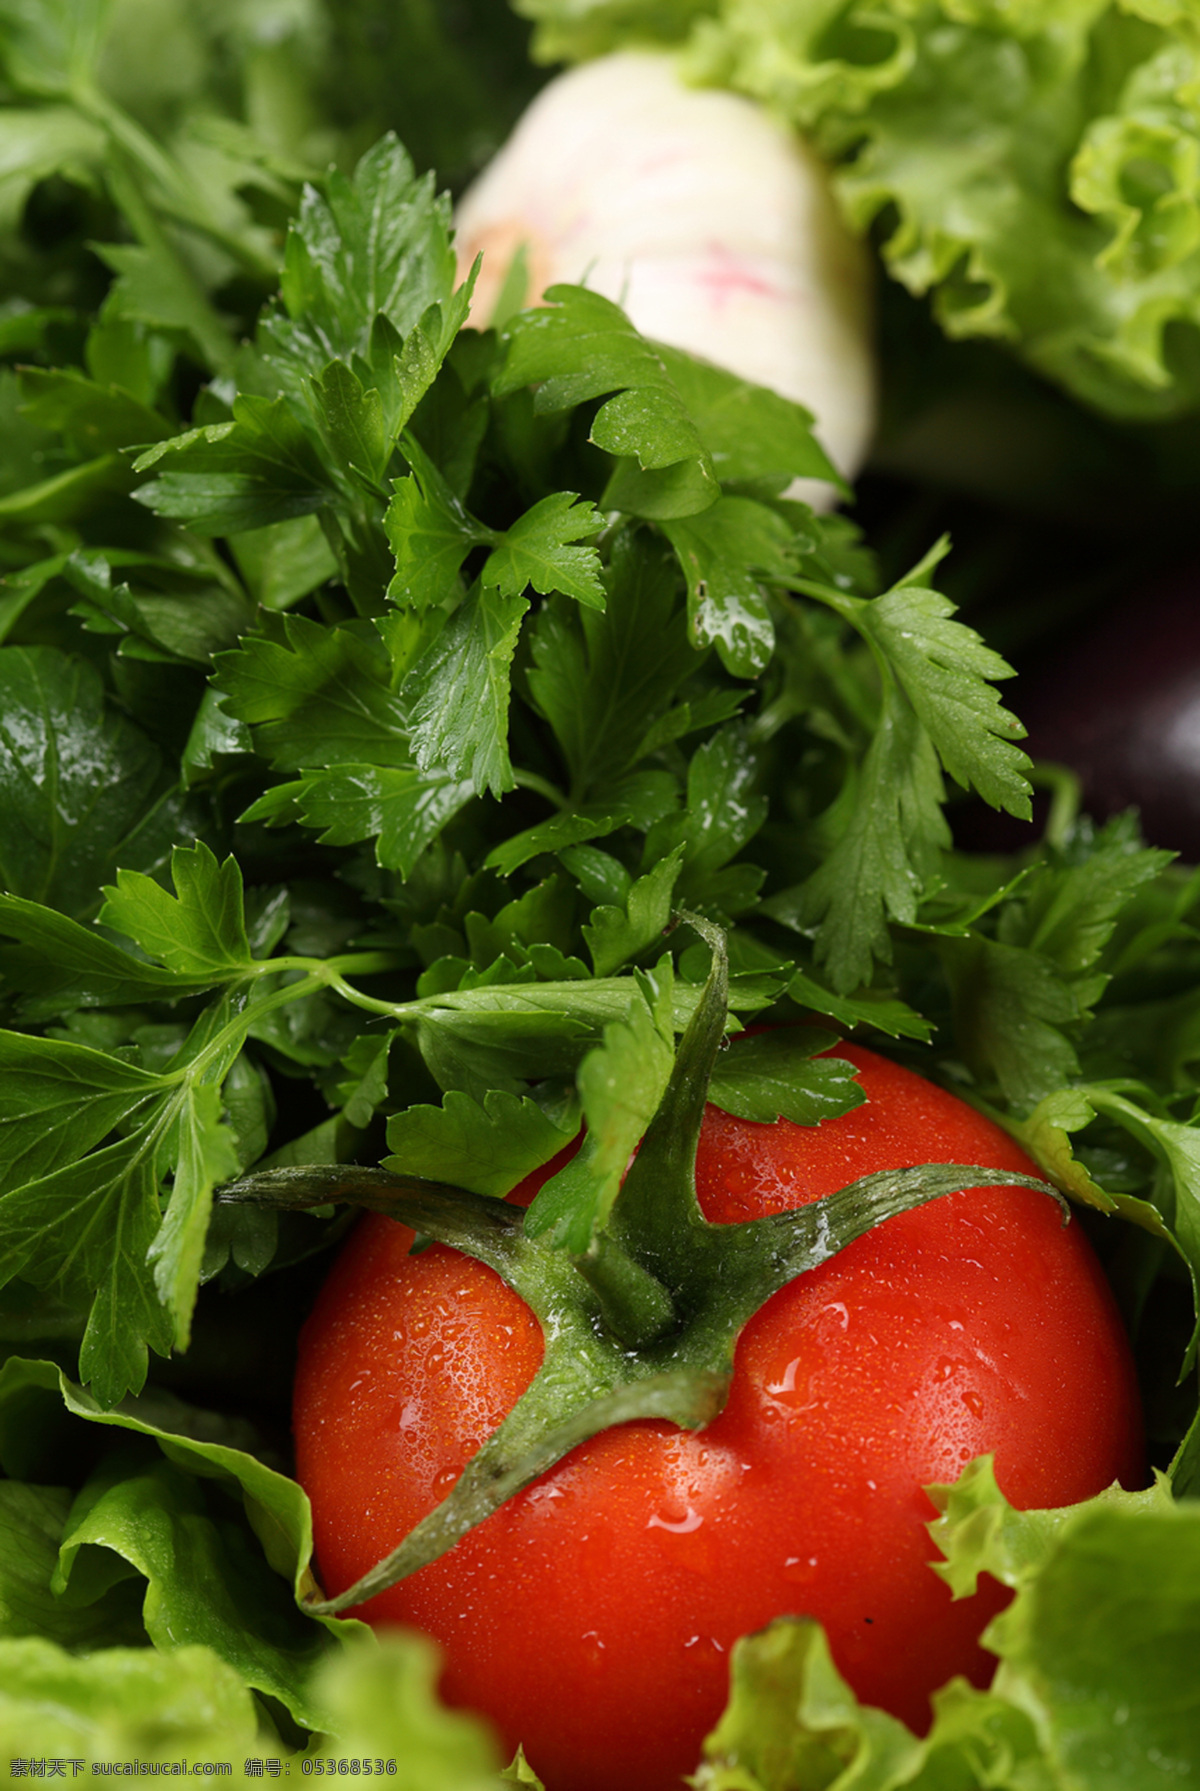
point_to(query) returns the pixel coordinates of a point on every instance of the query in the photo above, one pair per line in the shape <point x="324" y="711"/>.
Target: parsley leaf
<point x="200" y="931"/>
<point x="1021" y="998"/>
<point x="375" y="242"/>
<point x="366" y="314"/>
<point x="62" y="965"/>
<point x="721" y="550"/>
<point x="203" y="1151"/>
<point x="638" y="800"/>
<point x="259" y="469"/>
<point x="604" y="682"/>
<point x="536" y="550"/>
<point x="80" y="783"/>
<point x="582" y="346"/>
<point x="1012" y="1014"/>
<point x="891" y="831"/>
<point x="459" y="691"/>
<point x="487" y="1146"/>
<point x="58" y="1101"/>
<point x="402" y="809"/>
<point x="724" y="811"/>
<point x="615" y="934"/>
<point x="316" y="696"/>
<point x="85" y="1230"/>
<point x="937" y="711"/>
<point x="944" y="669"/>
<point x="432" y="533"/>
<point x="755" y="436"/>
<point x="780" y="1074"/>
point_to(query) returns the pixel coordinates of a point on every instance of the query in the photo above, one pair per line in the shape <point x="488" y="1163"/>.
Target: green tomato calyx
<point x="640" y="1323"/>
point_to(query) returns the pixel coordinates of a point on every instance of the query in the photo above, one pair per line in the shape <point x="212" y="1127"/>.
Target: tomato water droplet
<point x="683" y="1526"/>
<point x="973" y="1402"/>
<point x="786" y="1383"/>
<point x="790" y="1390"/>
<point x="800" y="1568"/>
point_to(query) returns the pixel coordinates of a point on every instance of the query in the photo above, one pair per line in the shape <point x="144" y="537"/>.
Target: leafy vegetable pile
<point x="373" y="693"/>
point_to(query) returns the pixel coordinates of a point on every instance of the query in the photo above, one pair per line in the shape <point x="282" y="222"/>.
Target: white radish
<point x="710" y="221"/>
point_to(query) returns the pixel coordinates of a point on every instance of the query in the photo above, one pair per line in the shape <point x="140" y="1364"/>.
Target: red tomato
<point x="591" y="1618"/>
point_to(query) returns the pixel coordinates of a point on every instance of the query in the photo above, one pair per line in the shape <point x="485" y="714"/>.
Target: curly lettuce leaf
<point x="166" y="1518"/>
<point x="384" y="1704"/>
<point x="123" y="1705"/>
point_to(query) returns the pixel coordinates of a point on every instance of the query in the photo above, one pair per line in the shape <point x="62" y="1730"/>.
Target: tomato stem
<point x="635" y="1305"/>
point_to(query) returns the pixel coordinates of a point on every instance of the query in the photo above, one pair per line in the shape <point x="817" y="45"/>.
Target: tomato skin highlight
<point x="591" y="1617"/>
